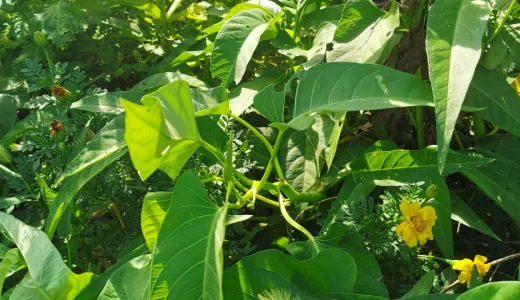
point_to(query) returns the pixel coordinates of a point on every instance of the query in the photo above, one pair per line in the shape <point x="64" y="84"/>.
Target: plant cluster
<point x="262" y="149"/>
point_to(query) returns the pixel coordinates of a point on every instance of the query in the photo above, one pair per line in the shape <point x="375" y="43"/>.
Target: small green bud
<point x="432" y="191"/>
<point x="40" y="40"/>
<point x="251" y="206"/>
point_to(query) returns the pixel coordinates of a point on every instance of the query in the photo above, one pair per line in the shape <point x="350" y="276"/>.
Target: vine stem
<point x="502" y="22"/>
<point x="290" y="220"/>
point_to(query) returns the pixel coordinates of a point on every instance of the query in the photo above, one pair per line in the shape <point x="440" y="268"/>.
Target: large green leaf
<point x="442" y="232"/>
<point x="368" y="45"/>
<point x="499" y="179"/>
<point x="105" y="143"/>
<point x="157" y="80"/>
<point x="423" y="286"/>
<point x="48" y="273"/>
<point x="130" y="282"/>
<point x="340" y="87"/>
<point x="409" y="166"/>
<point x="107" y="103"/>
<point x="331" y="271"/>
<point x="235" y="44"/>
<point x="161" y="133"/>
<point x="338" y="236"/>
<point x="491" y="91"/>
<point x="210" y="102"/>
<point x="155" y="206"/>
<point x="494" y="290"/>
<point x="270" y="104"/>
<point x="453" y="46"/>
<point x="72" y="187"/>
<point x="462" y="213"/>
<point x="187" y="260"/>
<point x="302" y="153"/>
<point x="11" y="259"/>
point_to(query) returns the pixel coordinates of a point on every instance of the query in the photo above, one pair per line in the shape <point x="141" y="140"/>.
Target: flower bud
<point x="432" y="191"/>
<point x="40" y="39"/>
<point x="59" y="92"/>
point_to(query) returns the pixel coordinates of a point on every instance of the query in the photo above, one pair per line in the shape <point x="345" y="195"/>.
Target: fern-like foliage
<point x="61" y="21"/>
<point x="75" y="80"/>
<point x="37" y="77"/>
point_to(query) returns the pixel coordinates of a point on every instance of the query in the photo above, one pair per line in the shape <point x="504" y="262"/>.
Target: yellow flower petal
<point x="463" y="276"/>
<point x="409" y="237"/>
<point x="401" y="227"/>
<point x="480" y="259"/>
<point x="428" y="213"/>
<point x="408" y="209"/>
<point x="422" y="237"/>
<point x="463" y="265"/>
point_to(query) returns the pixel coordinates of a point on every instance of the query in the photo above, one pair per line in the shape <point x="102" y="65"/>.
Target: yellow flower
<point x="418" y="224"/>
<point x="466" y="267"/>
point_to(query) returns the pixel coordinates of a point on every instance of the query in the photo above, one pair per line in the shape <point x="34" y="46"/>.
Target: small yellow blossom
<point x="466" y="267"/>
<point x="418" y="224"/>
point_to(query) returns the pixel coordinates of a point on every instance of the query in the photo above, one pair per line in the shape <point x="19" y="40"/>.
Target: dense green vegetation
<point x="263" y="149"/>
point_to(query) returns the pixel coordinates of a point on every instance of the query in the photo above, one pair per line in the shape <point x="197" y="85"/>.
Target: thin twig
<point x="503" y="259"/>
<point x="449" y="287"/>
<point x="494" y="272"/>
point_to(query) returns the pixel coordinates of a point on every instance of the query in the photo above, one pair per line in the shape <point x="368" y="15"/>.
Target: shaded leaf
<point x="462" y="213"/>
<point x="270" y="104"/>
<point x="442" y="231"/>
<point x="210" y="102"/>
<point x="423" y="286"/>
<point x="107" y="103"/>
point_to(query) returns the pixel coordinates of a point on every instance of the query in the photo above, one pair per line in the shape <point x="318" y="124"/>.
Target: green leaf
<point x="491" y="91"/>
<point x="48" y="194"/>
<point x="329" y="13"/>
<point x="11" y="260"/>
<point x="7" y="172"/>
<point x="493" y="290"/>
<point x="232" y="219"/>
<point x="409" y="166"/>
<point x="105" y="143"/>
<point x="339" y="236"/>
<point x="94" y="288"/>
<point x="60" y="21"/>
<point x="442" y="232"/>
<point x="157" y="80"/>
<point x="302" y="153"/>
<point x="211" y="132"/>
<point x="368" y="45"/>
<point x="331" y="271"/>
<point x="270" y="104"/>
<point x="38" y="119"/>
<point x="210" y="102"/>
<point x="131" y="281"/>
<point x="187" y="260"/>
<point x="161" y="133"/>
<point x="499" y="179"/>
<point x="235" y="43"/>
<point x="72" y="187"/>
<point x="8" y="112"/>
<point x="107" y="103"/>
<point x="6" y="202"/>
<point x="462" y="213"/>
<point x="494" y="56"/>
<point x="475" y="278"/>
<point x="423" y="286"/>
<point x="241" y="97"/>
<point x="47" y="271"/>
<point x="155" y="206"/>
<point x="333" y="87"/>
<point x="453" y="39"/>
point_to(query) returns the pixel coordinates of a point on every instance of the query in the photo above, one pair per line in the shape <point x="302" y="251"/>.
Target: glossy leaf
<point x="187" y="260"/>
<point x="409" y="166"/>
<point x="501" y="104"/>
<point x="368" y="45"/>
<point x="462" y="213"/>
<point x="161" y="133"/>
<point x="108" y="103"/>
<point x="453" y="46"/>
<point x="493" y="290"/>
<point x="155" y="206"/>
<point x="333" y="87"/>
<point x="72" y="187"/>
<point x="130" y="282"/>
<point x="331" y="271"/>
<point x="423" y="286"/>
<point x="339" y="236"/>
<point x="499" y="180"/>
<point x="48" y="273"/>
<point x="105" y="143"/>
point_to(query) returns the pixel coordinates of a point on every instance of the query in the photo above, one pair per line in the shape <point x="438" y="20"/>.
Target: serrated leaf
<point x="155" y="206"/>
<point x="462" y="213"/>
<point x="366" y="46"/>
<point x="106" y="142"/>
<point x="107" y="103"/>
<point x="50" y="276"/>
<point x="235" y="44"/>
<point x="340" y="87"/>
<point x="161" y="133"/>
<point x="187" y="260"/>
<point x="331" y="271"/>
<point x="409" y="166"/>
<point x="131" y="281"/>
<point x="491" y="91"/>
<point x="60" y="21"/>
<point x="453" y="46"/>
<point x="499" y="180"/>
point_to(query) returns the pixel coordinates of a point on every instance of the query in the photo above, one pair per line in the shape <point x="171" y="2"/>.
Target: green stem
<point x="419" y="125"/>
<point x="459" y="142"/>
<point x="290" y="220"/>
<point x="494" y="130"/>
<point x="448" y="261"/>
<point x="502" y="22"/>
<point x="264" y="141"/>
<point x="299" y="197"/>
<point x="479" y="126"/>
